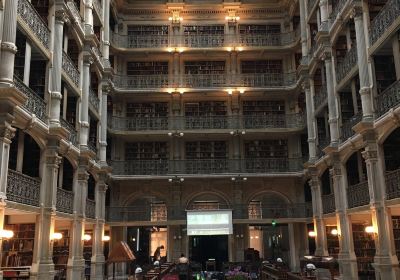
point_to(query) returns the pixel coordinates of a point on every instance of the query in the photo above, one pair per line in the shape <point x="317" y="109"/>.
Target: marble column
<point x="319" y="223"/>
<point x="106" y="37"/>
<point x="84" y="131"/>
<point x="294" y="248"/>
<point x="27" y="63"/>
<point x="310" y="121"/>
<point x="362" y="56"/>
<point x="346" y="257"/>
<point x="323" y="7"/>
<point x="8" y="47"/>
<point x="98" y="260"/>
<point x="103" y="120"/>
<point x="385" y="263"/>
<point x="56" y="96"/>
<point x="76" y="262"/>
<point x="88" y="12"/>
<point x="303" y="28"/>
<point x="42" y="264"/>
<point x="396" y="55"/>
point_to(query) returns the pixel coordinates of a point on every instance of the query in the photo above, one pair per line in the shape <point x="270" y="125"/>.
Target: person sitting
<point x="183" y="259"/>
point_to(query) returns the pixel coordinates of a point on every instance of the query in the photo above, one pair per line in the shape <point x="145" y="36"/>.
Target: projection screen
<point x="212" y="222"/>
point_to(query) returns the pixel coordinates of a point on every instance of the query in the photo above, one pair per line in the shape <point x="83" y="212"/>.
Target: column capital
<point x="61" y="17"/>
<point x="9" y="46"/>
<point x="7" y="133"/>
<point x="356" y="13"/>
<point x="370" y="154"/>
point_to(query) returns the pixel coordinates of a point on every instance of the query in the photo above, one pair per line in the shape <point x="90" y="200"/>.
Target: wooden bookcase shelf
<point x="261" y="66"/>
<point x="140" y="110"/>
<point x="385" y="72"/>
<point x="87" y="254"/>
<point x="396" y="234"/>
<point x="364" y="247"/>
<point x="204" y="67"/>
<point x="203" y="29"/>
<point x="19" y="63"/>
<point x="333" y="242"/>
<point x="147" y="30"/>
<point x="263" y="108"/>
<point x="146" y="150"/>
<point x="259" y="29"/>
<point x="205" y="108"/>
<point x="266" y="149"/>
<point x="206" y="150"/>
<point x="147" y="68"/>
<point x="60" y="254"/>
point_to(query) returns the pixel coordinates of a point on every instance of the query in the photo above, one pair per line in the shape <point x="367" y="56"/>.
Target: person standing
<point x="157" y="253"/>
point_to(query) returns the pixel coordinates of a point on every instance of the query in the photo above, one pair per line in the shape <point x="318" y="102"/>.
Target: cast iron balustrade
<point x="389" y="98"/>
<point x="73" y="134"/>
<point x="140" y="41"/>
<point x="97" y="53"/>
<point x="158" y="212"/>
<point x="205" y="122"/>
<point x="274" y="121"/>
<point x="22" y="188"/>
<point x="35" y="23"/>
<point x="337" y="9"/>
<point x="314" y="47"/>
<point x="92" y="146"/>
<point x="141" y="81"/>
<point x="311" y="5"/>
<point x="347" y="131"/>
<point x="263" y="40"/>
<point x="266" y="80"/>
<point x="98" y="8"/>
<point x="70" y="69"/>
<point x="358" y="195"/>
<point x="328" y="203"/>
<point x="75" y="13"/>
<point x="206" y="166"/>
<point x="204" y="80"/>
<point x="320" y="97"/>
<point x="325" y="26"/>
<point x="138" y="124"/>
<point x="239" y="211"/>
<point x="94" y="100"/>
<point x="90" y="210"/>
<point x="201" y="40"/>
<point x="34" y="104"/>
<point x="392" y="179"/>
<point x="348" y="63"/>
<point x="65" y="201"/>
<point x="382" y="21"/>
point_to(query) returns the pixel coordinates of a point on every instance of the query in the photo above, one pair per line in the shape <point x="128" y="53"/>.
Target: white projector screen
<point x="213" y="222"/>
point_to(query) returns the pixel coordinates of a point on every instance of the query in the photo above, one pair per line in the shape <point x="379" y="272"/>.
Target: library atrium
<point x="259" y="137"/>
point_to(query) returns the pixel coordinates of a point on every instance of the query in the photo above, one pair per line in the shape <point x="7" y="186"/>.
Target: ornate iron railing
<point x="311" y="5"/>
<point x="256" y="40"/>
<point x="34" y="21"/>
<point x="337" y="9"/>
<point x="141" y="81"/>
<point x="389" y="98"/>
<point x="65" y="201"/>
<point x="206" y="166"/>
<point x="347" y="126"/>
<point x="320" y="97"/>
<point x="358" y="195"/>
<point x="73" y="134"/>
<point x="392" y="179"/>
<point x="22" y="188"/>
<point x="349" y="61"/>
<point x="314" y="47"/>
<point x="94" y="100"/>
<point x="382" y="21"/>
<point x="143" y="41"/>
<point x="75" y="13"/>
<point x="204" y="80"/>
<point x="239" y="211"/>
<point x="70" y="69"/>
<point x="322" y="144"/>
<point x="207" y="122"/>
<point x="201" y="41"/>
<point x="34" y="104"/>
<point x="266" y="80"/>
<point x="328" y="203"/>
<point x="92" y="146"/>
<point x="325" y="26"/>
<point x="98" y="8"/>
<point x="90" y="210"/>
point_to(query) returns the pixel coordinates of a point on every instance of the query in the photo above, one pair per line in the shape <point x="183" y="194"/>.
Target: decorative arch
<point x="140" y="196"/>
<point x="266" y="193"/>
<point x="207" y="195"/>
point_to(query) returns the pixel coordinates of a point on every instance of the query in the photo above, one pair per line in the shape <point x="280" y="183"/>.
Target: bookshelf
<point x="385" y="72"/>
<point x="263" y="108"/>
<point x="341" y="48"/>
<point x="147" y="68"/>
<point x="93" y="132"/>
<point x="140" y="110"/>
<point x="60" y="254"/>
<point x="18" y="251"/>
<point x="37" y="78"/>
<point x="333" y="242"/>
<point x="146" y="150"/>
<point x="19" y="63"/>
<point x="346" y="104"/>
<point x="206" y="150"/>
<point x="147" y="30"/>
<point x="205" y="108"/>
<point x="364" y="247"/>
<point x="87" y="253"/>
<point x="396" y="234"/>
<point x="259" y="29"/>
<point x="204" y="67"/>
<point x="261" y="66"/>
<point x="203" y="29"/>
<point x="266" y="148"/>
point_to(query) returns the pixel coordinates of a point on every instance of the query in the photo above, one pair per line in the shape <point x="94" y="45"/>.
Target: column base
<point x="97" y="268"/>
<point x="42" y="271"/>
<point x="386" y="268"/>
<point x="75" y="269"/>
<point x="348" y="267"/>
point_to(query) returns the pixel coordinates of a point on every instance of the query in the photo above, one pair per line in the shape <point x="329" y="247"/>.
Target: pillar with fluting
<point x="97" y="261"/>
<point x="55" y="76"/>
<point x="106" y="37"/>
<point x="346" y="257"/>
<point x="42" y="263"/>
<point x="396" y="55"/>
<point x="294" y="248"/>
<point x="303" y="28"/>
<point x="8" y="47"/>
<point x="88" y="5"/>
<point x="310" y="121"/>
<point x="76" y="262"/>
<point x="362" y="55"/>
<point x="103" y="120"/>
<point x="323" y="7"/>
<point x="385" y="263"/>
<point x="319" y="223"/>
<point x="84" y="131"/>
